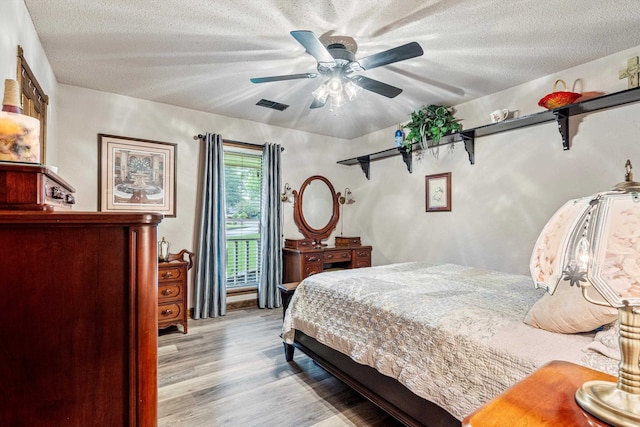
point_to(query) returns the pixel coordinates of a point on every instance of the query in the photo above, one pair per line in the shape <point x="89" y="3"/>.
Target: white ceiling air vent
<point x="272" y="104"/>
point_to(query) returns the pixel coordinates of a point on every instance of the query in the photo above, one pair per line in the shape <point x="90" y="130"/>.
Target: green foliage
<point x="430" y="123"/>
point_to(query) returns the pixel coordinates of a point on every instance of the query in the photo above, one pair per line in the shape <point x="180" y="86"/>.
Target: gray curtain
<point x="271" y="229"/>
<point x="210" y="294"/>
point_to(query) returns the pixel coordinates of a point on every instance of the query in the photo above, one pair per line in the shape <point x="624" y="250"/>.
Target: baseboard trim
<point x="237" y="305"/>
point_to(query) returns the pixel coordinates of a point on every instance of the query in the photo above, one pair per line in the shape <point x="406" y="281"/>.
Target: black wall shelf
<point x="560" y="115"/>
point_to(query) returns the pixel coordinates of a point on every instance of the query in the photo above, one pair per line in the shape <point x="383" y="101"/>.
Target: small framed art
<point x="136" y="175"/>
<point x="438" y="192"/>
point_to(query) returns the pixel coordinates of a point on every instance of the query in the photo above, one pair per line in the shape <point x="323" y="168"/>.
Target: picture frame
<point x="136" y="175"/>
<point x="438" y="192"/>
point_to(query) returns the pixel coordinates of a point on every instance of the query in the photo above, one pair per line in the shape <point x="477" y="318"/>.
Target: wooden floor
<point x="231" y="371"/>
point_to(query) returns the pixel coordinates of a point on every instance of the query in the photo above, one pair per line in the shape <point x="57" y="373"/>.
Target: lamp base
<point x="604" y="400"/>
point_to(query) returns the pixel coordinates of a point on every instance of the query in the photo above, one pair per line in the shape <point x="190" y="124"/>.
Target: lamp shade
<point x="593" y="240"/>
<point x="615" y="262"/>
<point x="551" y="249"/>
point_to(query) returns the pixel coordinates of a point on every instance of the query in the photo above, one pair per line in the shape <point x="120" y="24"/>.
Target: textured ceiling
<point x="200" y="54"/>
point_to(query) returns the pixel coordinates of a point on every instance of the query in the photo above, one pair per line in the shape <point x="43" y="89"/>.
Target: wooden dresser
<point x="301" y="259"/>
<point x="80" y="319"/>
<point x="172" y="290"/>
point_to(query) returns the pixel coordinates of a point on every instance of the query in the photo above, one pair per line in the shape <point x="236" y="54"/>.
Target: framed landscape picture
<point x="438" y="192"/>
<point x="136" y="175"/>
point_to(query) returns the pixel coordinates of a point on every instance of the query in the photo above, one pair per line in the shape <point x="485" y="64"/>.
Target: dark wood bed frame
<point x="386" y="392"/>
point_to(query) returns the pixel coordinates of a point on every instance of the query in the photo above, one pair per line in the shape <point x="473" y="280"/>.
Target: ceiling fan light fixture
<point x="352" y="90"/>
<point x="334" y="86"/>
<point x="321" y="93"/>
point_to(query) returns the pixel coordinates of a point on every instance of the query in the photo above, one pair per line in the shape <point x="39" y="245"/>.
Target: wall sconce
<point x="347" y="199"/>
<point x="287" y="194"/>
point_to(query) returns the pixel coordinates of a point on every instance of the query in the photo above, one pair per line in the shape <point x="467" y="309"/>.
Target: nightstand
<point x="172" y="290"/>
<point x="544" y="398"/>
<point x="286" y="292"/>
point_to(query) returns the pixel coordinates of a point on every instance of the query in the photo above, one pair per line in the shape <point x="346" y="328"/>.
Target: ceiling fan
<point x="336" y="60"/>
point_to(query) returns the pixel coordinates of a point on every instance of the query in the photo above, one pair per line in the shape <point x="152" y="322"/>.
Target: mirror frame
<point x="298" y="217"/>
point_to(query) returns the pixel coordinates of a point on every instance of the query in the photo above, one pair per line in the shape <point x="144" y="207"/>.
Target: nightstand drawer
<point x="169" y="291"/>
<point x="337" y="256"/>
<point x="169" y="312"/>
<point x="169" y="273"/>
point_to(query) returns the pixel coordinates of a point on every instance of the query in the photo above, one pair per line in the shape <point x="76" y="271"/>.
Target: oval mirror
<point x="316" y="208"/>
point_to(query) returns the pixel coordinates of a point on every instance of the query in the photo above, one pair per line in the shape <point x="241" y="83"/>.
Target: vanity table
<point x="316" y="213"/>
<point x="299" y="263"/>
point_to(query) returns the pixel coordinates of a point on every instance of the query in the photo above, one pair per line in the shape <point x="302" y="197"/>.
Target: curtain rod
<point x="241" y="143"/>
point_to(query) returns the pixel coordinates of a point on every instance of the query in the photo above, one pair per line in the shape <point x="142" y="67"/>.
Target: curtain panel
<point x="271" y="233"/>
<point x="210" y="294"/>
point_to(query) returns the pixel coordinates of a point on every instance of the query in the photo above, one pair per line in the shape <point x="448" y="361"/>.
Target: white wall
<point x="519" y="178"/>
<point x="84" y="113"/>
<point x="17" y="29"/>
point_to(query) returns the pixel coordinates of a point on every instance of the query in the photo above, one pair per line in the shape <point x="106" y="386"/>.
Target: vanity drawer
<point x="362" y="258"/>
<point x="315" y="258"/>
<point x="337" y="256"/>
<point x="169" y="291"/>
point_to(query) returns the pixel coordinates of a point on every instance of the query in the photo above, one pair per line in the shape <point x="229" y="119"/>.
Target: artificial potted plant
<point x="430" y="122"/>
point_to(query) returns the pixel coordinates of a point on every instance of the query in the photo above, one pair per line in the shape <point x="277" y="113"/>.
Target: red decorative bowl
<point x="558" y="98"/>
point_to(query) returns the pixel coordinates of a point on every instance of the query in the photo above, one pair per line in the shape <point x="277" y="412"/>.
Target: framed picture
<point x="136" y="175"/>
<point x="438" y="192"/>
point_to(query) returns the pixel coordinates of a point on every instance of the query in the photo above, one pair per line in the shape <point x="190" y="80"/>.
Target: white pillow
<point x="568" y="312"/>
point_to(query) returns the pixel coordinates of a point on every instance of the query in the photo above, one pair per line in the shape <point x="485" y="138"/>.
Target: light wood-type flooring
<point x="231" y="371"/>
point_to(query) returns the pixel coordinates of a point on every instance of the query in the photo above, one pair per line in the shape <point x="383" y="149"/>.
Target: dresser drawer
<point x="169" y="291"/>
<point x="337" y="256"/>
<point x="170" y="273"/>
<point x="167" y="312"/>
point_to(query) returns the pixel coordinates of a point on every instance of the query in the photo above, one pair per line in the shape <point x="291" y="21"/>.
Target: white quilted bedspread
<point x="451" y="334"/>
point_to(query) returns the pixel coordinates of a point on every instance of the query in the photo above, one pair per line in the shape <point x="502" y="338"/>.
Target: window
<point x="34" y="100"/>
<point x="242" y="177"/>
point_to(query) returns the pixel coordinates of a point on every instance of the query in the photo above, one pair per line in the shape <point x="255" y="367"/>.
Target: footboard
<point x="385" y="392"/>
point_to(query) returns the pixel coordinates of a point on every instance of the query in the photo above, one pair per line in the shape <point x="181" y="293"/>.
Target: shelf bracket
<point x="407" y="157"/>
<point x="469" y="138"/>
<point x="562" y="117"/>
<point x="365" y="163"/>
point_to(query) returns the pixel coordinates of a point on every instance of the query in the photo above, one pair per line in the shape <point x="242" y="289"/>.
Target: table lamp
<point x="594" y="242"/>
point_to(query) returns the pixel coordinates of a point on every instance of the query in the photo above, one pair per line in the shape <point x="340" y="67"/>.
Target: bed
<point x="428" y="343"/>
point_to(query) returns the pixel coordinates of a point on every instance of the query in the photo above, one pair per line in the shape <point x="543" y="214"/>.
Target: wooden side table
<point x="172" y="290"/>
<point x="286" y="292"/>
<point x="544" y="398"/>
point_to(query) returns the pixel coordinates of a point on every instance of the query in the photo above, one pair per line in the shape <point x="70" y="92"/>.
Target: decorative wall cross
<point x="632" y="72"/>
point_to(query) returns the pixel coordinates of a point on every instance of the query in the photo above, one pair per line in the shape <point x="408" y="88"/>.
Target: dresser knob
<point x="167" y="312"/>
<point x="166" y="292"/>
<point x="166" y="275"/>
<point x="57" y="193"/>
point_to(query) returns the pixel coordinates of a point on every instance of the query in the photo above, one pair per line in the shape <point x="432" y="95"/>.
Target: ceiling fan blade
<point x="317" y="103"/>
<point x="314" y="46"/>
<point x="286" y="77"/>
<point x="400" y="53"/>
<point x="376" y="86"/>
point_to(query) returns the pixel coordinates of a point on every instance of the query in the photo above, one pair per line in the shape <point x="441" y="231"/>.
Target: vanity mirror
<point x="316" y="209"/>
